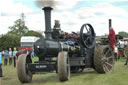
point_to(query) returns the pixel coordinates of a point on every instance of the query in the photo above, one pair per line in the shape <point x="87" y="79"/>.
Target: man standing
<point x="1" y="73"/>
<point x="18" y="53"/>
<point x="14" y="56"/>
<point x="6" y="57"/>
<point x="10" y="56"/>
<point x="112" y="38"/>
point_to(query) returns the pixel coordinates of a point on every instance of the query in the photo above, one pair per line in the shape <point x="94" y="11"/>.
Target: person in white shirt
<point x="116" y="53"/>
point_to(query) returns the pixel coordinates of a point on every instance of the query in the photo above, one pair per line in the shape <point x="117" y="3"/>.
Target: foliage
<point x="124" y="34"/>
<point x="18" y="28"/>
<point x="9" y="41"/>
<point x="12" y="38"/>
<point x="33" y="33"/>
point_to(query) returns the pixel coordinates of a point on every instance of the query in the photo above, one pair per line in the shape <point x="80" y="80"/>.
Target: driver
<point x="112" y="38"/>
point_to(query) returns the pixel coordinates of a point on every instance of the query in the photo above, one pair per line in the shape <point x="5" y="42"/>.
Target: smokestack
<point x="47" y="15"/>
<point x="110" y="23"/>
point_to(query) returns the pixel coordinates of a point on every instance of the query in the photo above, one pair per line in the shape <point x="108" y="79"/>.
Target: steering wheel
<point x="87" y="36"/>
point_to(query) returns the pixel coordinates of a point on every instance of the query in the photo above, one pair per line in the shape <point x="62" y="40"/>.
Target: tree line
<point x="12" y="38"/>
<point x="123" y="34"/>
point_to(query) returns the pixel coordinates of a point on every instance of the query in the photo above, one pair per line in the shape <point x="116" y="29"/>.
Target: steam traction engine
<point x="73" y="53"/>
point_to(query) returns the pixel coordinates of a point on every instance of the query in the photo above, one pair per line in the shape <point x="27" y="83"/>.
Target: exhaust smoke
<point x="45" y="3"/>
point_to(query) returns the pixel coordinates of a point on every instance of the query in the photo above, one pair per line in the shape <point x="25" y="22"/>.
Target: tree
<point x="123" y="34"/>
<point x="12" y="38"/>
<point x="18" y="28"/>
<point x="33" y="33"/>
<point x="9" y="41"/>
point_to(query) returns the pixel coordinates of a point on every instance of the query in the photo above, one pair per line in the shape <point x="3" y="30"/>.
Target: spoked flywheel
<point x="87" y="36"/>
<point x="104" y="59"/>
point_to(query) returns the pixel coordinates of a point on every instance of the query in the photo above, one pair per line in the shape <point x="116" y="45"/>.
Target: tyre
<point x="103" y="59"/>
<point x="63" y="66"/>
<point x="23" y="73"/>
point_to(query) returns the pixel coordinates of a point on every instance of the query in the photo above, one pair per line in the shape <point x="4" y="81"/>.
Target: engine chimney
<point x="47" y="15"/>
<point x="110" y="23"/>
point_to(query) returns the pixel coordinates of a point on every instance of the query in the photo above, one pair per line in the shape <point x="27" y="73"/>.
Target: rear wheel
<point x="63" y="66"/>
<point x="23" y="73"/>
<point x="104" y="59"/>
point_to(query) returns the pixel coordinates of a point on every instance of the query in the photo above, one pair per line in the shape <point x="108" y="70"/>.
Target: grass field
<point x="119" y="76"/>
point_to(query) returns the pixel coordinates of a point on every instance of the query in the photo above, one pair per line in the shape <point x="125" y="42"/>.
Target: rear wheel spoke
<point x="108" y="64"/>
<point x="110" y="58"/>
<point x="106" y="53"/>
<point x="106" y="68"/>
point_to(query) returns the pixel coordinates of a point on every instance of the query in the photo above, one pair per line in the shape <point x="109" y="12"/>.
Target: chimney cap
<point x="47" y="8"/>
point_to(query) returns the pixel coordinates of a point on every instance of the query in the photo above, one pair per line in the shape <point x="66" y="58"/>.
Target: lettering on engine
<point x="41" y="66"/>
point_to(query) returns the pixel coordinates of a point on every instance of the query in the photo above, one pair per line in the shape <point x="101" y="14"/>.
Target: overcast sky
<point x="71" y="13"/>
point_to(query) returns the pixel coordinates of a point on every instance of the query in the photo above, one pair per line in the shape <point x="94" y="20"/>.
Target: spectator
<point x="26" y="51"/>
<point x="6" y="57"/>
<point x="116" y="53"/>
<point x="127" y="55"/>
<point x="18" y="53"/>
<point x="14" y="56"/>
<point x="32" y="54"/>
<point x="1" y="73"/>
<point x="10" y="56"/>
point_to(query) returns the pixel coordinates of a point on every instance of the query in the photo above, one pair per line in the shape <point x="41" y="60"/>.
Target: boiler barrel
<point x="51" y="48"/>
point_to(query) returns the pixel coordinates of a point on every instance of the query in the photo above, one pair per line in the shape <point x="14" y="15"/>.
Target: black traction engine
<point x="65" y="53"/>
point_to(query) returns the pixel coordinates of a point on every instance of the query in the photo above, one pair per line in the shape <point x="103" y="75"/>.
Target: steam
<point x="46" y="3"/>
<point x="57" y="4"/>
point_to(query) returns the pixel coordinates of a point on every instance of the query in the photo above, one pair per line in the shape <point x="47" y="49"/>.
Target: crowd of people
<point x="9" y="56"/>
<point x="122" y="54"/>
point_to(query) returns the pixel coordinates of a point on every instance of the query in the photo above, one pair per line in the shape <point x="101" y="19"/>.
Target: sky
<point x="72" y="14"/>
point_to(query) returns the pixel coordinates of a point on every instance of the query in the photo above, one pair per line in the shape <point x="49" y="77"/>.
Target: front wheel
<point x="23" y="73"/>
<point x="63" y="66"/>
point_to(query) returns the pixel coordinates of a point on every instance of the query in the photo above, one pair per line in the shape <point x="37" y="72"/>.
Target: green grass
<point x="119" y="76"/>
